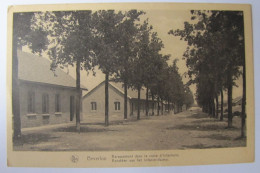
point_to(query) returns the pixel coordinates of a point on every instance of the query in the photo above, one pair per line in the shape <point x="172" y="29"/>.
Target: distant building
<point x="94" y="101"/>
<point x="237" y="101"/>
<point x="45" y="97"/>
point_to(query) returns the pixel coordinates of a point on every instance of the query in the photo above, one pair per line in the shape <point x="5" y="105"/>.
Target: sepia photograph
<point x="116" y="85"/>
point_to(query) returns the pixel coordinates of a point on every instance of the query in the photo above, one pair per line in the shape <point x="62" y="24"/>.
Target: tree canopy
<point x="214" y="54"/>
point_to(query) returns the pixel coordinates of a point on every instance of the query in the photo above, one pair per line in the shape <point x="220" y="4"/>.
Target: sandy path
<point x="189" y="129"/>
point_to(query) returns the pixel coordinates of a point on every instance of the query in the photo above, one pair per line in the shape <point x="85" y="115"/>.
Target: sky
<point x="162" y="21"/>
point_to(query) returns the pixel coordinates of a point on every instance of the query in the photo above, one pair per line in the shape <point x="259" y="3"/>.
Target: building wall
<point x="143" y="107"/>
<point x="38" y="118"/>
<point x="98" y="96"/>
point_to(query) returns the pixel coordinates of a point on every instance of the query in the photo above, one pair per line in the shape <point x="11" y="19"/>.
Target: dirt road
<point x="189" y="129"/>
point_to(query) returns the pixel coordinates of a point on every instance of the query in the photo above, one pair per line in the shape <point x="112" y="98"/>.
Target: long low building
<point x="46" y="97"/>
<point x="94" y="101"/>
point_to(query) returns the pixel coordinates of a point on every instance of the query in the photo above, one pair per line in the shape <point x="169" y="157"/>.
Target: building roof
<point x="33" y="68"/>
<point x="237" y="99"/>
<point x="131" y="93"/>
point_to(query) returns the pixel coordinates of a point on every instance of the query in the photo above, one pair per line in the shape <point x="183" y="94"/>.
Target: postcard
<point x="129" y="85"/>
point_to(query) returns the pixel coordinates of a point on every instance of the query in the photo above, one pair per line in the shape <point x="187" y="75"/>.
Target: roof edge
<point x="120" y="90"/>
<point x="91" y="91"/>
<point x="49" y="84"/>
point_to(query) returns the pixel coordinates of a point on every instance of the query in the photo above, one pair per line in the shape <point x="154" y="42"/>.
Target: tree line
<point x="215" y="57"/>
<point x="124" y="47"/>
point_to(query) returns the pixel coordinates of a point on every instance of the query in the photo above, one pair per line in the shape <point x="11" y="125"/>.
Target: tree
<point x="177" y="92"/>
<point x="214" y="43"/>
<point x="188" y="97"/>
<point x="154" y="46"/>
<point x="157" y="83"/>
<point x="22" y="35"/>
<point x="69" y="43"/>
<point x="106" y="27"/>
<point x="127" y="44"/>
<point x="149" y="65"/>
<point x="232" y="30"/>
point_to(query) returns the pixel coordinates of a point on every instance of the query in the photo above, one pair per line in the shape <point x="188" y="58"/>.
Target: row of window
<point x="45" y="103"/>
<point x="94" y="106"/>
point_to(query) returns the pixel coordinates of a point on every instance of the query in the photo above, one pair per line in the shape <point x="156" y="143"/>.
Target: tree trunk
<point x="243" y="113"/>
<point x="15" y="94"/>
<point x="138" y="105"/>
<point x="168" y="106"/>
<point x="158" y="106"/>
<point x="222" y="98"/>
<point x="125" y="100"/>
<point x="217" y="106"/>
<point x="147" y="102"/>
<point x="161" y="107"/>
<point x="153" y="105"/>
<point x="210" y="108"/>
<point x="230" y="116"/>
<point x="206" y="108"/>
<point x="106" y="100"/>
<point x="213" y="107"/>
<point x="78" y="97"/>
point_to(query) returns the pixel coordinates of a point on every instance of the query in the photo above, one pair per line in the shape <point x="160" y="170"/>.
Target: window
<point x="45" y="103"/>
<point x="93" y="106"/>
<point x="57" y="103"/>
<point x="117" y="106"/>
<point x="31" y="102"/>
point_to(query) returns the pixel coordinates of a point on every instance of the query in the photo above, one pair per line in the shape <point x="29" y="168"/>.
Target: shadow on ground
<point x="201" y="146"/>
<point x="200" y="127"/>
<point x="34" y="138"/>
<point x="198" y="116"/>
<point x="82" y="129"/>
<point x="214" y="120"/>
<point x="116" y="122"/>
<point x="217" y="137"/>
<point x="103" y="124"/>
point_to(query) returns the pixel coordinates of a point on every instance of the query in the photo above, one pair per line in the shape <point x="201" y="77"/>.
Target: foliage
<point x="69" y="37"/>
<point x="22" y="35"/>
<point x="215" y="52"/>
